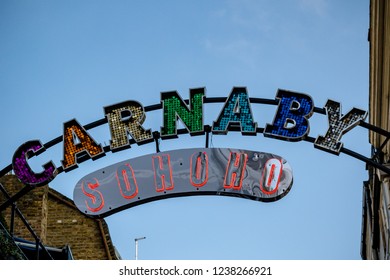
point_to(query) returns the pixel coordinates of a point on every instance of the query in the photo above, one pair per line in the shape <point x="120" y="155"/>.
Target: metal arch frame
<point x="207" y="128"/>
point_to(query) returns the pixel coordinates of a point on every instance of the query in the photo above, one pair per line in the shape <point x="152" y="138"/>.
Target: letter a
<point x="237" y="111"/>
<point x="77" y="142"/>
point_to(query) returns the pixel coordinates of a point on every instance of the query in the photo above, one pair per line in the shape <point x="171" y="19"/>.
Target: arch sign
<point x="210" y="171"/>
<point x="192" y="171"/>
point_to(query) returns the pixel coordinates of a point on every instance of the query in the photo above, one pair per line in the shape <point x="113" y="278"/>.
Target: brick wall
<point x="66" y="225"/>
<point x="31" y="205"/>
<point x="58" y="222"/>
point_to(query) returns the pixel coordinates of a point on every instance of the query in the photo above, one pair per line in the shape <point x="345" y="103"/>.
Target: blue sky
<point x="61" y="60"/>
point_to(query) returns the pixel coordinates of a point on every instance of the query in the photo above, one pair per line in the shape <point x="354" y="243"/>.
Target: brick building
<point x="57" y="222"/>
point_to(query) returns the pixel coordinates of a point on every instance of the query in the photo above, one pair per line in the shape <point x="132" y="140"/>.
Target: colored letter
<point x="338" y="126"/>
<point x="235" y="171"/>
<point x="126" y="181"/>
<point x="96" y="197"/>
<point x="77" y="142"/>
<point x="22" y="169"/>
<point x="162" y="173"/>
<point x="291" y="119"/>
<point x="270" y="178"/>
<point x="174" y="107"/>
<point x="236" y="111"/>
<point x="199" y="169"/>
<point x="126" y="118"/>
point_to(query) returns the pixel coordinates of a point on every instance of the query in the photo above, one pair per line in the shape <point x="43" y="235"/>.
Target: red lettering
<point x="128" y="187"/>
<point x="163" y="180"/>
<point x="96" y="197"/>
<point x="235" y="171"/>
<point x="270" y="178"/>
<point x="199" y="169"/>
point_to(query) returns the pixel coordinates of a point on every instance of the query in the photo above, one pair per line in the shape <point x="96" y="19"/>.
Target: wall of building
<point x="57" y="222"/>
<point x="66" y="225"/>
<point x="376" y="202"/>
<point x="379" y="38"/>
<point x="31" y="205"/>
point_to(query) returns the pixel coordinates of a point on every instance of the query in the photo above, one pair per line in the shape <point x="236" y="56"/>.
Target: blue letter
<point x="291" y="119"/>
<point x="237" y="111"/>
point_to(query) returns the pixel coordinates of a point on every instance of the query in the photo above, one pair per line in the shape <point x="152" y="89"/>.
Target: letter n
<point x="174" y="108"/>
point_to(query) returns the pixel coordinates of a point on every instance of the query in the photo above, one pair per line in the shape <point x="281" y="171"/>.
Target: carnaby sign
<point x="208" y="171"/>
<point x="125" y="123"/>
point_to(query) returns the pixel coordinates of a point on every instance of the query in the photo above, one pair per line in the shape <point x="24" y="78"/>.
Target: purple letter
<point x="22" y="169"/>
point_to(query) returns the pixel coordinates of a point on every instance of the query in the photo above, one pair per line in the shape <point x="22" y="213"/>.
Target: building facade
<point x="376" y="194"/>
<point x="56" y="221"/>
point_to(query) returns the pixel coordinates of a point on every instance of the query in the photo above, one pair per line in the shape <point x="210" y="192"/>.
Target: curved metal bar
<point x="209" y="100"/>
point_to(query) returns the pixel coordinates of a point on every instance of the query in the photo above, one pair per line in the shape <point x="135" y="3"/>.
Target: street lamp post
<point x="136" y="246"/>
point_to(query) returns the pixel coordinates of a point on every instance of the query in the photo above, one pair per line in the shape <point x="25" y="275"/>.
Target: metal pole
<point x="136" y="246"/>
<point x="136" y="249"/>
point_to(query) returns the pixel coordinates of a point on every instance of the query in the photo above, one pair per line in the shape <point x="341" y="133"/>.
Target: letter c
<point x="22" y="169"/>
